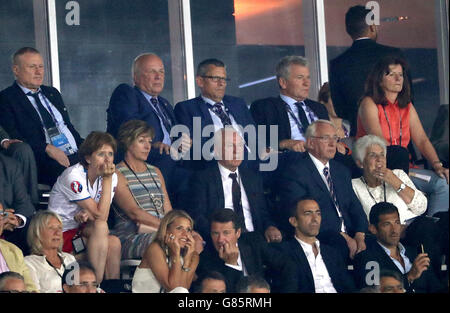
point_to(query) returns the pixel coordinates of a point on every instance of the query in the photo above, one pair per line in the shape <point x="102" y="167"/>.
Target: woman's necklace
<point x="370" y="194"/>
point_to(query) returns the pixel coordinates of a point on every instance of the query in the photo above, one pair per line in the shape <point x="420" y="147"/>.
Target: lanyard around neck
<point x="370" y="194"/>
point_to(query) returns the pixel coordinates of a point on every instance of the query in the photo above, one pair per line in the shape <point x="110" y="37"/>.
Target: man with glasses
<point x="212" y="108"/>
<point x="316" y="174"/>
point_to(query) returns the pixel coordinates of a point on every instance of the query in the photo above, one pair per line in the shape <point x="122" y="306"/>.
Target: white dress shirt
<point x="60" y="124"/>
<point x="227" y="184"/>
<point x="320" y="166"/>
<point x="322" y="280"/>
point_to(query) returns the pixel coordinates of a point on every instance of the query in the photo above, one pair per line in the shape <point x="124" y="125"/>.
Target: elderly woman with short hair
<point x="47" y="262"/>
<point x="380" y="184"/>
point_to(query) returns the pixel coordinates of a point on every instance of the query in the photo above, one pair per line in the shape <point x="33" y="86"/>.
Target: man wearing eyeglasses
<point x="212" y="108"/>
<point x="316" y="174"/>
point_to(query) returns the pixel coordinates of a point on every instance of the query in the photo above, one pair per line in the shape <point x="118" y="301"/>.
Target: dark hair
<point x="373" y="83"/>
<point x="294" y="204"/>
<point x="6" y="275"/>
<point x="214" y="275"/>
<point x="94" y="141"/>
<point x="130" y="130"/>
<point x="225" y="216"/>
<point x="245" y="284"/>
<point x="324" y="93"/>
<point x="202" y="68"/>
<point x="389" y="273"/>
<point x="22" y="51"/>
<point x="71" y="268"/>
<point x="355" y="21"/>
<point x="381" y="208"/>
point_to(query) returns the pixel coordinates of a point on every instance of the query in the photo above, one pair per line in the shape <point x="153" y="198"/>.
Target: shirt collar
<point x="146" y="95"/>
<point x="25" y="89"/>
<point x="361" y="38"/>
<point x="289" y="100"/>
<point x="225" y="173"/>
<point x="307" y="247"/>
<point x="209" y="101"/>
<point x="319" y="165"/>
<point x="400" y="247"/>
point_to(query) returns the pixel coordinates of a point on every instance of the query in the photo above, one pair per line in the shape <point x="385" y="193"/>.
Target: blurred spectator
<point x="252" y="284"/>
<point x="141" y="198"/>
<point x="11" y="257"/>
<point x="170" y="262"/>
<point x="391" y="282"/>
<point x="79" y="277"/>
<point x="47" y="262"/>
<point x="439" y="134"/>
<point x="15" y="200"/>
<point x="12" y="282"/>
<point x="212" y="282"/>
<point x="82" y="196"/>
<point x="22" y="153"/>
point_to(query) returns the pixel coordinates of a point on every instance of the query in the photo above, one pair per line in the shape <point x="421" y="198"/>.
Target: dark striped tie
<point x="162" y="114"/>
<point x="326" y="172"/>
<point x="46" y="117"/>
<point x="217" y="109"/>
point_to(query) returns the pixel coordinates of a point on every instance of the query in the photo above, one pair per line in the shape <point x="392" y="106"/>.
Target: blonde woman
<point x="170" y="262"/>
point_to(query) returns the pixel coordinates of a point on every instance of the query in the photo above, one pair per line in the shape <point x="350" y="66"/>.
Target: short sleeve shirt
<point x="72" y="186"/>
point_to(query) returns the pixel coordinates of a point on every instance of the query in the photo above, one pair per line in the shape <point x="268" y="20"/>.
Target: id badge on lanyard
<point x="60" y="140"/>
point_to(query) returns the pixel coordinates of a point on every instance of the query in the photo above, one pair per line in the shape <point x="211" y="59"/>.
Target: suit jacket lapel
<point x="246" y="257"/>
<point x="145" y="105"/>
<point x="217" y="182"/>
<point x="26" y="104"/>
<point x="283" y="117"/>
<point x="315" y="174"/>
<point x="205" y="115"/>
<point x="300" y="257"/>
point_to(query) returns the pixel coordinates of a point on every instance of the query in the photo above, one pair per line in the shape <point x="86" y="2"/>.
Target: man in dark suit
<point x="348" y="72"/>
<point x="291" y="111"/>
<point x="316" y="174"/>
<point x="212" y="110"/>
<point x="320" y="268"/>
<point x="235" y="254"/>
<point x="22" y="153"/>
<point x="215" y="187"/>
<point x="143" y="102"/>
<point x="37" y="115"/>
<point x="15" y="200"/>
<point x="387" y="253"/>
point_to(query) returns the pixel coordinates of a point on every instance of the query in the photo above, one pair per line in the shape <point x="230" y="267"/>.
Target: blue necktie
<point x="162" y="114"/>
<point x="217" y="109"/>
<point x="46" y="117"/>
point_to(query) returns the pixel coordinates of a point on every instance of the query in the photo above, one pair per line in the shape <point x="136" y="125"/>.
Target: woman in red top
<point x="386" y="111"/>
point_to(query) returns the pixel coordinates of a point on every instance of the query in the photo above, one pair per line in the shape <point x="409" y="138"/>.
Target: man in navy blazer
<point x="21" y="116"/>
<point x="211" y="188"/>
<point x="235" y="254"/>
<point x="316" y="174"/>
<point x="291" y="111"/>
<point x="387" y="253"/>
<point x="320" y="268"/>
<point x="212" y="108"/>
<point x="143" y="102"/>
<point x="349" y="71"/>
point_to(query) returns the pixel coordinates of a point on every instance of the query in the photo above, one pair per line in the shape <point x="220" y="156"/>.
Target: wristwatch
<point x="402" y="186"/>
